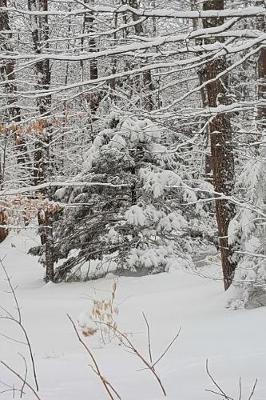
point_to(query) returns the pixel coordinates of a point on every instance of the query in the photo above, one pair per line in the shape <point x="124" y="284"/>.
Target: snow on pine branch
<point x="43" y="186"/>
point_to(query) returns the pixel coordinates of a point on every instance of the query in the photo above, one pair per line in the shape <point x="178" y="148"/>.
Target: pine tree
<point x="134" y="220"/>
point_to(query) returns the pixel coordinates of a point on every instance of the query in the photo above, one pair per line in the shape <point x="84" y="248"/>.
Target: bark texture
<point x="42" y="156"/>
<point x="261" y="25"/>
<point x="220" y="131"/>
<point x="90" y="45"/>
<point x="45" y="221"/>
<point x="7" y="72"/>
<point x="40" y="36"/>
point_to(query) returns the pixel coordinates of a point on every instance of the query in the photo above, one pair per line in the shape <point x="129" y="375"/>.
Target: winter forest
<point x="132" y="199"/>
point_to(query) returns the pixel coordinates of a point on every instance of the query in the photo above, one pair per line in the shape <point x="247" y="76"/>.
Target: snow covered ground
<point x="232" y="341"/>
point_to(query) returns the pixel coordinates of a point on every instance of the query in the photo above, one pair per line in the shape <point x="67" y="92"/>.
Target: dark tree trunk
<point x="7" y="72"/>
<point x="42" y="156"/>
<point x="3" y="223"/>
<point x="147" y="83"/>
<point x="40" y="36"/>
<point x="45" y="220"/>
<point x="88" y="28"/>
<point x="220" y="131"/>
<point x="261" y="117"/>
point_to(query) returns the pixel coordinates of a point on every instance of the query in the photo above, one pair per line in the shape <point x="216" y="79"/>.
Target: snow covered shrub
<point x="131" y="209"/>
<point x="248" y="235"/>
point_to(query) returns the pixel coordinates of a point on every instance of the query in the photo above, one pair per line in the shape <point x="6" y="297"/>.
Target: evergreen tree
<point x="133" y="220"/>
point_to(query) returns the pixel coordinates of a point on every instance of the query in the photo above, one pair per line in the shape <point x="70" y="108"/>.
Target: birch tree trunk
<point x="220" y="131"/>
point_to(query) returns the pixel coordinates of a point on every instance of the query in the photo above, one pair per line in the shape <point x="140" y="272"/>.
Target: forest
<point x="132" y="182"/>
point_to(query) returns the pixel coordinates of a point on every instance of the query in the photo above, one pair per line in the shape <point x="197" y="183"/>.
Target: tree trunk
<point x="147" y="83"/>
<point x="42" y="157"/>
<point x="40" y="36"/>
<point x="261" y="114"/>
<point x="7" y="72"/>
<point x="45" y="220"/>
<point x="91" y="46"/>
<point x="3" y="223"/>
<point x="220" y="131"/>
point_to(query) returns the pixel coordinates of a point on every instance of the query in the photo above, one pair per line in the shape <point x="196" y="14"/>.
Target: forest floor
<point x="233" y="341"/>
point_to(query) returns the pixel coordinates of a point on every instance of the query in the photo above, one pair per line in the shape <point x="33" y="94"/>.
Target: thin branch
<point x="253" y="390"/>
<point x="95" y="366"/>
<point x="122" y="337"/>
<point x="149" y="337"/>
<point x="240" y="389"/>
<point x="167" y="348"/>
<point x="19" y="322"/>
<point x="12" y="291"/>
<point x="21" y="379"/>
<point x="220" y="390"/>
<point x="25" y="375"/>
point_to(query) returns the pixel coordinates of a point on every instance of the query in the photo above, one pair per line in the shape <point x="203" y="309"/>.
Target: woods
<point x="132" y="199"/>
<point x="137" y="130"/>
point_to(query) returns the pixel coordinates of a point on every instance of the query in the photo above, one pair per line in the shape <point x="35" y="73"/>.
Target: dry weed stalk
<point x="103" y="317"/>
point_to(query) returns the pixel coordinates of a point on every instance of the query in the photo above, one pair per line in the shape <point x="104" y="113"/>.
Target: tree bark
<point x="40" y="36"/>
<point x="3" y="223"/>
<point x="45" y="221"/>
<point x="147" y="82"/>
<point x="7" y="72"/>
<point x="88" y="28"/>
<point x="261" y="112"/>
<point x="220" y="131"/>
<point x="42" y="157"/>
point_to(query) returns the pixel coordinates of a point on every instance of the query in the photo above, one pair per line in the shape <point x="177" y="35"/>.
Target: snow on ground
<point x="233" y="341"/>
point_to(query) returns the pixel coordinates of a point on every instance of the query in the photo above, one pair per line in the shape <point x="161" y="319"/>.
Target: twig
<point x="217" y="394"/>
<point x="9" y="388"/>
<point x="18" y="321"/>
<point x="95" y="366"/>
<point x="149" y="337"/>
<point x="127" y="343"/>
<point x="107" y="382"/>
<point x="221" y="392"/>
<point x="10" y="338"/>
<point x="25" y="376"/>
<point x="253" y="389"/>
<point x="240" y="389"/>
<point x="21" y="379"/>
<point x="167" y="348"/>
<point x="12" y="291"/>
